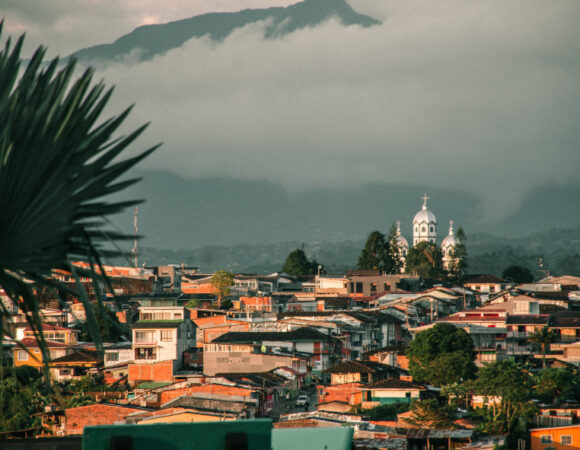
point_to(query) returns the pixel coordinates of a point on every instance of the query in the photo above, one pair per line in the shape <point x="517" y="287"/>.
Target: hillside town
<point x="405" y="358"/>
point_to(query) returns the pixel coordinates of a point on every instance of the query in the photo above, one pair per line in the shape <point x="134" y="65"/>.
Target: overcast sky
<point x="482" y="96"/>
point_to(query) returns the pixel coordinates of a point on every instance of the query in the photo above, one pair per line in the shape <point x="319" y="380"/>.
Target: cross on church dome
<point x="425" y="198"/>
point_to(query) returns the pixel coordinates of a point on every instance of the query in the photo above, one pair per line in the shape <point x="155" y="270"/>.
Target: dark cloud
<point x="464" y="95"/>
<point x="470" y="95"/>
<point x="64" y="26"/>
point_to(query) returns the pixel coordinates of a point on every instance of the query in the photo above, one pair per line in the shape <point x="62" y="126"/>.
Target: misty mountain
<point x="558" y="248"/>
<point x="252" y="225"/>
<point x="193" y="212"/>
<point x="147" y="41"/>
<point x="545" y="206"/>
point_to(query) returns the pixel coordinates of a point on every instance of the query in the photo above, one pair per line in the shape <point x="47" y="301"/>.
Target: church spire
<point x="425" y="198"/>
<point x="451" y="233"/>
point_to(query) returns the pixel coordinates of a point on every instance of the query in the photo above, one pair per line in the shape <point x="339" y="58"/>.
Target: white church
<point x="425" y="230"/>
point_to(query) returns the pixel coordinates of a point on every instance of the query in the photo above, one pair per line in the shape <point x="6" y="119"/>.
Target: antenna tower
<point x="136" y="229"/>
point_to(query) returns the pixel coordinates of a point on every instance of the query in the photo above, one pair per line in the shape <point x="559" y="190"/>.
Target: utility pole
<point x="135" y="229"/>
<point x="541" y="269"/>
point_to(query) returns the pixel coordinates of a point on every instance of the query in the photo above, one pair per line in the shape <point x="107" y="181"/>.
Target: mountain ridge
<point x="147" y="41"/>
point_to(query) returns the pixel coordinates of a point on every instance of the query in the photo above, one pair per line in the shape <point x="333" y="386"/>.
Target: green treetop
<point x="457" y="267"/>
<point x="544" y="337"/>
<point x="394" y="260"/>
<point x="375" y="254"/>
<point x="509" y="386"/>
<point x="518" y="274"/>
<point x="441" y="355"/>
<point x="298" y="264"/>
<point x="425" y="260"/>
<point x="222" y="281"/>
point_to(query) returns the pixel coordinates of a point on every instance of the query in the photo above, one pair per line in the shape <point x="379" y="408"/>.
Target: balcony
<point x="518" y="334"/>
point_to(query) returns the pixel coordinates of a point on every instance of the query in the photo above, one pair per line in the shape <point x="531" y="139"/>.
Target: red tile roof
<point x="46" y="327"/>
<point x="395" y="383"/>
<point x="30" y="342"/>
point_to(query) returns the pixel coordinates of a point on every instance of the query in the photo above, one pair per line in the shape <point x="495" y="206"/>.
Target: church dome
<point x="424" y="225"/>
<point x="424" y="216"/>
<point x="450" y="240"/>
<point x="401" y="241"/>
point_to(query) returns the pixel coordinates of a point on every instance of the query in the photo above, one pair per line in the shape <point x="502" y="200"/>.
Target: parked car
<point x="302" y="400"/>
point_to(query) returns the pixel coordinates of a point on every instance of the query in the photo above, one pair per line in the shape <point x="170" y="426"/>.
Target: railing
<point x="518" y="334"/>
<point x="553" y="421"/>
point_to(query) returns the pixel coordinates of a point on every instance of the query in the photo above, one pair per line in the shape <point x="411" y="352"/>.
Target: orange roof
<point x="216" y="321"/>
<point x="30" y="342"/>
<point x="46" y="327"/>
<point x="384" y="423"/>
<point x="158" y="412"/>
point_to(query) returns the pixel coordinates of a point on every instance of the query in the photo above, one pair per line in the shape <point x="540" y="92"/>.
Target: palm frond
<point x="59" y="161"/>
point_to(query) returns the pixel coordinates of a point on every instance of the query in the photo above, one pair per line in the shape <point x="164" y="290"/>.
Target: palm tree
<point x="58" y="163"/>
<point x="544" y="336"/>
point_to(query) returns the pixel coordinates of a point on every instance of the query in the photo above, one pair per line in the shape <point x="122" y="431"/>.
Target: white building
<point x="424" y="225"/>
<point x="162" y="334"/>
<point x="448" y="246"/>
<point x="403" y="247"/>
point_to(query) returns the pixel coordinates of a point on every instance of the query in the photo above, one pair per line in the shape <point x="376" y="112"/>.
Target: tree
<point x="511" y="384"/>
<point x="518" y="274"/>
<point x="193" y="303"/>
<point x="544" y="337"/>
<point x="556" y="385"/>
<point x="429" y="414"/>
<point x="441" y="355"/>
<point x="59" y="165"/>
<point x="222" y="281"/>
<point x="298" y="264"/>
<point x="457" y="267"/>
<point x="375" y="254"/>
<point x="387" y="412"/>
<point x="394" y="261"/>
<point x="424" y="259"/>
<point x="227" y="304"/>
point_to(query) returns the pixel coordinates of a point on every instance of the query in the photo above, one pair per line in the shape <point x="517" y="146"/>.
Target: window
<point x="566" y="440"/>
<point x="112" y="356"/>
<point x="22" y="355"/>
<point x="386" y="287"/>
<point x="431" y="229"/>
<point x="373" y="288"/>
<point x="145" y="353"/>
<point x="407" y="394"/>
<point x="177" y="316"/>
<point x="423" y="229"/>
<point x="167" y="335"/>
<point x="545" y="439"/>
<point x="359" y="288"/>
<point x="144" y="337"/>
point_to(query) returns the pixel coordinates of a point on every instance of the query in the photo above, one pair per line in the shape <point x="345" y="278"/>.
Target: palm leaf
<point x="59" y="161"/>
